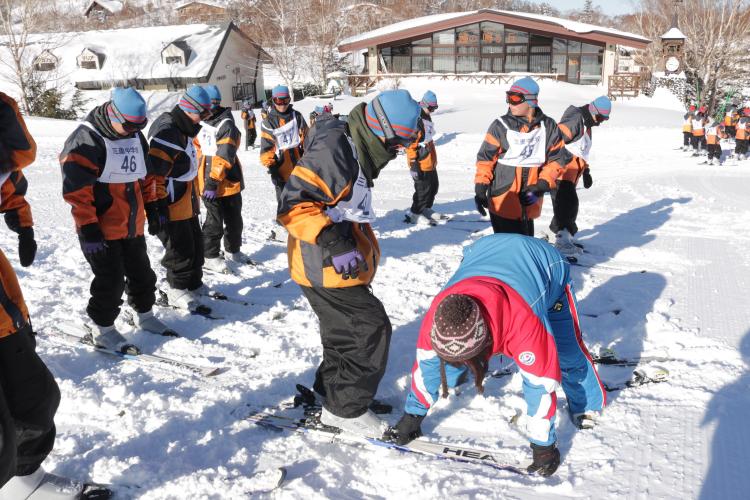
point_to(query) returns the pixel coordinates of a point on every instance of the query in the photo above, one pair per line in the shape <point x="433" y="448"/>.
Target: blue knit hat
<point x="529" y="88"/>
<point x="195" y="100"/>
<point x="429" y="99"/>
<point x="393" y="113"/>
<point x="214" y="94"/>
<point x="601" y="106"/>
<point x="128" y="106"/>
<point x="281" y="91"/>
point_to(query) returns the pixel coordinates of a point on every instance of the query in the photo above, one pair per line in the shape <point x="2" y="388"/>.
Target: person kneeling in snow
<point x="326" y="206"/>
<point x="512" y="295"/>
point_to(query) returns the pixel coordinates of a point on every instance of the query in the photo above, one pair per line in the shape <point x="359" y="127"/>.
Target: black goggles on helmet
<point x="391" y="138"/>
<point x="128" y="126"/>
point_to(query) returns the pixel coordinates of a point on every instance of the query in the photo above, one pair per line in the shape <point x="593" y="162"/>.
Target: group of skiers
<point x="511" y="295"/>
<point x="703" y="135"/>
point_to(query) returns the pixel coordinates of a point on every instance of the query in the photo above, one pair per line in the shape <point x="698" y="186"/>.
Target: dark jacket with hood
<point x="280" y="162"/>
<point x="324" y="177"/>
<point x="575" y="122"/>
<point x="221" y="172"/>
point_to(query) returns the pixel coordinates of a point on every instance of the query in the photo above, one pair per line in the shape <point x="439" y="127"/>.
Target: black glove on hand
<point x="587" y="180"/>
<point x="407" y="429"/>
<point x="274" y="170"/>
<point x="481" y="193"/>
<point x="546" y="459"/>
<point x="157" y="215"/>
<point x="532" y="193"/>
<point x="26" y="246"/>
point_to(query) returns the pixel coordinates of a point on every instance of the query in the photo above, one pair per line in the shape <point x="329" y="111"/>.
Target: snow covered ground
<point x="668" y="238"/>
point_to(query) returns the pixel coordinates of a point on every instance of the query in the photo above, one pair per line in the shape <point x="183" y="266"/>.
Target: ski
<point x="213" y="294"/>
<point x="83" y="338"/>
<point x="310" y="425"/>
<point x="608" y="357"/>
<point x="605" y="267"/>
<point x="592" y="315"/>
<point x="640" y="376"/>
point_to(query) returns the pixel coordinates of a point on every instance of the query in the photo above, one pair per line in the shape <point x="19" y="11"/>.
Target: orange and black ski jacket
<point x="506" y="181"/>
<point x="170" y="162"/>
<point x="743" y="130"/>
<point x="248" y="117"/>
<point x="575" y="122"/>
<point x="270" y="156"/>
<point x="14" y="206"/>
<point x="101" y="210"/>
<point x="323" y="177"/>
<point x="221" y="172"/>
<point x="421" y="154"/>
<point x="17" y="150"/>
<point x="17" y="147"/>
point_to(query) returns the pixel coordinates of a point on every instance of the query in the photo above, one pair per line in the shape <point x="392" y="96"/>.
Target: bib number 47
<point x="129" y="164"/>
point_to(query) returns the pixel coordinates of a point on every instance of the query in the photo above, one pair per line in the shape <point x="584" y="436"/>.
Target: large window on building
<point x="444" y="51"/>
<point x="496" y="48"/>
<point x="421" y="59"/>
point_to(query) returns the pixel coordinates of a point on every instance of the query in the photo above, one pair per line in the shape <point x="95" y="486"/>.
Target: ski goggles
<point x="514" y="98"/>
<point x="282" y="101"/>
<point x="432" y="109"/>
<point x="128" y="126"/>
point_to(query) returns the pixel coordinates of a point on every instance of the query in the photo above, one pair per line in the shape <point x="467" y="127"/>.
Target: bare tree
<point x="716" y="34"/>
<point x="18" y="20"/>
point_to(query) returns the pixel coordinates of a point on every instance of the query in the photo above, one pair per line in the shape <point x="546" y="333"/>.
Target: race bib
<point x="126" y="160"/>
<point x="287" y="136"/>
<point x="358" y="208"/>
<point x="429" y="131"/>
<point x="525" y="149"/>
<point x="582" y="147"/>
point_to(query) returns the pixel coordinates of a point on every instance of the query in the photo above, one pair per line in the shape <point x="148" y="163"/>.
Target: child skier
<point x="575" y="127"/>
<point x="742" y="137"/>
<point x="714" y="134"/>
<point x="104" y="163"/>
<point x="220" y="184"/>
<point x="248" y="120"/>
<point x="520" y="160"/>
<point x="511" y="295"/>
<point x="173" y="168"/>
<point x="698" y="139"/>
<point x="326" y="206"/>
<point x="282" y="134"/>
<point x="687" y="130"/>
<point x="422" y="160"/>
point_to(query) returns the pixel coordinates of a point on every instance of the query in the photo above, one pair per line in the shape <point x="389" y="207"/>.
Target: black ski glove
<point x="407" y="429"/>
<point x="532" y="193"/>
<point x="26" y="246"/>
<point x="546" y="459"/>
<point x="274" y="170"/>
<point x="587" y="180"/>
<point x="157" y="215"/>
<point x="481" y="194"/>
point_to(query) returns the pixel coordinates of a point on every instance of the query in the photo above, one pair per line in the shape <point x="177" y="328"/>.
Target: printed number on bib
<point x="129" y="164"/>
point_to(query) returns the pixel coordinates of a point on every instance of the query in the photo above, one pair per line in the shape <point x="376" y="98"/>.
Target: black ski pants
<point x="223" y="218"/>
<point x="686" y="138"/>
<point x="122" y="267"/>
<point x="714" y="151"/>
<point x="564" y="207"/>
<point x="503" y="225"/>
<point x="250" y="136"/>
<point x="29" y="398"/>
<point x="183" y="258"/>
<point x="698" y="142"/>
<point x="425" y="188"/>
<point x="740" y="147"/>
<point x="355" y="332"/>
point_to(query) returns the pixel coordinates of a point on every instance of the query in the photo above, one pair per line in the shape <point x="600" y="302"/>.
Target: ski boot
<point x="109" y="338"/>
<point x="40" y="485"/>
<point x="367" y="424"/>
<point x="217" y="265"/>
<point x="148" y="322"/>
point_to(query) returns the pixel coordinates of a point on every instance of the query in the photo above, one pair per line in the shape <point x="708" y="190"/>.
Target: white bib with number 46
<point x="126" y="161"/>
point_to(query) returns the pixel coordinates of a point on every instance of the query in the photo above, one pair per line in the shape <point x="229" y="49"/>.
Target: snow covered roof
<point x="134" y="53"/>
<point x="211" y="3"/>
<point x="674" y="33"/>
<point x="112" y="6"/>
<point x="436" y="22"/>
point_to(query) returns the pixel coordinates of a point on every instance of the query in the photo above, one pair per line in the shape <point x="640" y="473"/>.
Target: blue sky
<point x="611" y="7"/>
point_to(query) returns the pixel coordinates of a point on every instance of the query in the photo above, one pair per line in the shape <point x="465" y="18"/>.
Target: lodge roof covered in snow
<point x="428" y="24"/>
<point x="135" y="53"/>
<point x="674" y="33"/>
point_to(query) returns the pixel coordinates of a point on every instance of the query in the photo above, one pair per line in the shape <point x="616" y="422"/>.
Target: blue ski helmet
<point x="129" y="106"/>
<point x="195" y="100"/>
<point x="393" y="115"/>
<point x="214" y="94"/>
<point x="601" y="106"/>
<point x="528" y="88"/>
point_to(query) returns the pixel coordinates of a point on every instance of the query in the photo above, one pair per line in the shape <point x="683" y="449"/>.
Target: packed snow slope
<point x="667" y="239"/>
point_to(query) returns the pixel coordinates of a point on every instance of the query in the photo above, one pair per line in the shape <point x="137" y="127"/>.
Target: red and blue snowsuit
<point x="524" y="288"/>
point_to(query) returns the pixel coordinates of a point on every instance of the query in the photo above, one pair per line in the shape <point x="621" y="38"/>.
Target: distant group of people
<point x="703" y="135"/>
<point x="511" y="295"/>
